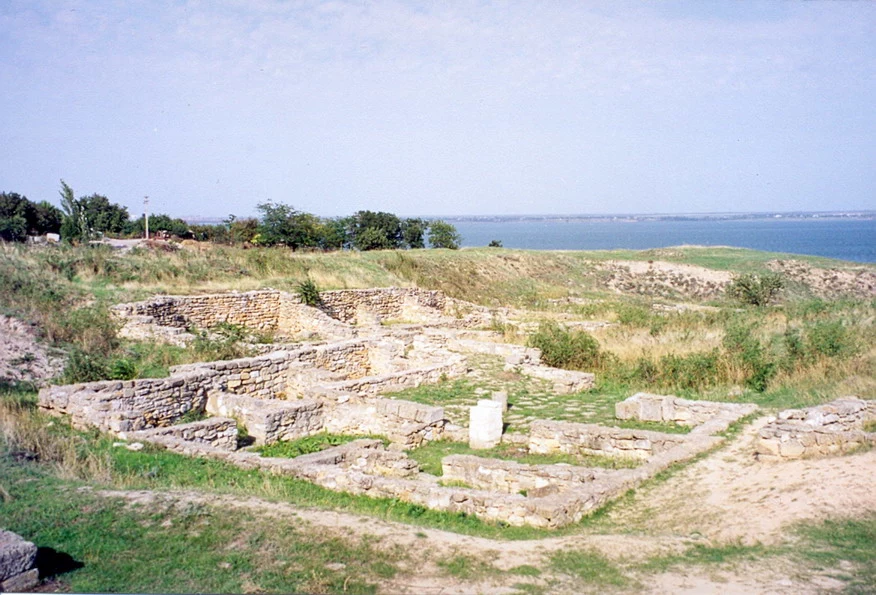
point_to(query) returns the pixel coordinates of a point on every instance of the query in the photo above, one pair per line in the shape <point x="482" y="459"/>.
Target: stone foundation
<point x="337" y="387"/>
<point x="828" y="429"/>
<point x="546" y="437"/>
<point x="167" y="318"/>
<point x="671" y="409"/>
<point x="218" y="432"/>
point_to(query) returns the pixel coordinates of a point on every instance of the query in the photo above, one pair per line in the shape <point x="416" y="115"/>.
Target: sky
<point x="441" y="108"/>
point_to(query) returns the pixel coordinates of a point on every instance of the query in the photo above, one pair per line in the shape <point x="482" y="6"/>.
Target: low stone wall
<point x="252" y="309"/>
<point x="269" y="421"/>
<point x="511" y="477"/>
<point x="387" y="383"/>
<point x="295" y="319"/>
<point x="389" y="303"/>
<point x="564" y="382"/>
<point x="671" y="409"/>
<point x="828" y="429"/>
<point x="364" y="467"/>
<point x="405" y="423"/>
<point x="547" y="437"/>
<point x="220" y="432"/>
<point x="167" y="317"/>
<point x="514" y="355"/>
<point x="264" y="376"/>
<point x="17" y="559"/>
<point x="127" y="406"/>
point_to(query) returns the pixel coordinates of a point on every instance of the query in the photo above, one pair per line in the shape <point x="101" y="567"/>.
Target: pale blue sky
<point x="441" y="108"/>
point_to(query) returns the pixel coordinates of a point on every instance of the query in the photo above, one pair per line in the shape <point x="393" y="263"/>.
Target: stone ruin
<point x="833" y="428"/>
<point x="18" y="570"/>
<point x="339" y="385"/>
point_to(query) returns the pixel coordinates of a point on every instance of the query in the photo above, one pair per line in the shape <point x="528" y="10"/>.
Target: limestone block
<point x="485" y="424"/>
<point x="792" y="449"/>
<point x="21" y="582"/>
<point x="16" y="555"/>
<point x="651" y="408"/>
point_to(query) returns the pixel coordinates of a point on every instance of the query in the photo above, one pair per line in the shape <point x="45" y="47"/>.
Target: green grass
<point x="308" y="444"/>
<point x="589" y="566"/>
<point x="848" y="541"/>
<point x="184" y="548"/>
<point x="702" y="554"/>
<point x="467" y="567"/>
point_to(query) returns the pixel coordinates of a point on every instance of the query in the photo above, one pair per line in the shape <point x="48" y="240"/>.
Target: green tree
<point x="159" y="222"/>
<point x="283" y="224"/>
<point x="443" y="235"/>
<point x="333" y="233"/>
<point x="375" y="231"/>
<point x="74" y="224"/>
<point x="87" y="216"/>
<point x="414" y="233"/>
<point x="47" y="218"/>
<point x="103" y="216"/>
<point x="15" y="210"/>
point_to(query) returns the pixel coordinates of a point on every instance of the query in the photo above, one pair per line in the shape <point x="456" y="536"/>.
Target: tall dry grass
<point x="28" y="435"/>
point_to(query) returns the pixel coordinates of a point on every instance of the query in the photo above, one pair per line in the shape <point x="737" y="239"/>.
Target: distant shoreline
<point x="625" y="218"/>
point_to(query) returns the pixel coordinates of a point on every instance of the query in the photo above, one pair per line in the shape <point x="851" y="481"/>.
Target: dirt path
<point x="726" y="498"/>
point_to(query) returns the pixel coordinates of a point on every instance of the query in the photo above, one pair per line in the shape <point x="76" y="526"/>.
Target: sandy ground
<point x="726" y="498"/>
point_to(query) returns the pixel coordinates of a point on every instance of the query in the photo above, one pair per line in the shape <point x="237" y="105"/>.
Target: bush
<point x="831" y="339"/>
<point x="83" y="366"/>
<point x="694" y="371"/>
<point x="756" y="290"/>
<point x="571" y="350"/>
<point x="308" y="291"/>
<point x="746" y="351"/>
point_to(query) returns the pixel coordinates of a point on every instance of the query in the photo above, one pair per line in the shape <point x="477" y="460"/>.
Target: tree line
<point x="91" y="217"/>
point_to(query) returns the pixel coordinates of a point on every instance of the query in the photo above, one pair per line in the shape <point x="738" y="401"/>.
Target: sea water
<point x="846" y="239"/>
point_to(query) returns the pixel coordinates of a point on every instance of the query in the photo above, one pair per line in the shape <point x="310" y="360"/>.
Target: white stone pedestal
<point x="485" y="424"/>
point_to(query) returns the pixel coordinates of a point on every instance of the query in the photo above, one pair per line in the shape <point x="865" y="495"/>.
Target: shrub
<point x="831" y="339"/>
<point x="561" y="348"/>
<point x="746" y="351"/>
<point x="83" y="366"/>
<point x="756" y="290"/>
<point x="309" y="293"/>
<point x="694" y="371"/>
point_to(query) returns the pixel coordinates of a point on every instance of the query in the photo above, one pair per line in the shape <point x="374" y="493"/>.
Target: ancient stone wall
<point x="828" y="429"/>
<point x="391" y="303"/>
<point x="511" y="477"/>
<point x="219" y="432"/>
<point x="547" y="437"/>
<point x="269" y="421"/>
<point x="252" y="309"/>
<point x="405" y="423"/>
<point x="295" y="319"/>
<point x="671" y="409"/>
<point x="166" y="317"/>
<point x="131" y="405"/>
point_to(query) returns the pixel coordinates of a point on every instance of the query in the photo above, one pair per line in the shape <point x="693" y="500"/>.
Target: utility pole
<point x="146" y="214"/>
